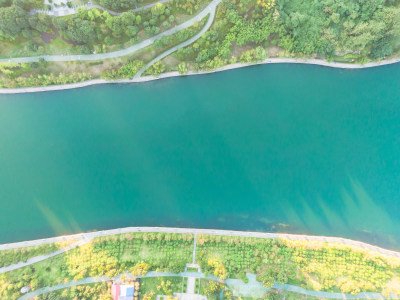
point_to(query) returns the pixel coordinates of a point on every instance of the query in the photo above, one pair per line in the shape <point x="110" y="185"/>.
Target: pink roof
<point x="115" y="290"/>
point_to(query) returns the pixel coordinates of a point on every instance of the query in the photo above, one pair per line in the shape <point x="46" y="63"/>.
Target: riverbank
<point x="91" y="235"/>
<point x="172" y="250"/>
<point x="318" y="62"/>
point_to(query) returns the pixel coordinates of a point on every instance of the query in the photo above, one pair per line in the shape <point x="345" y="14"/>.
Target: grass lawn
<point x="160" y="285"/>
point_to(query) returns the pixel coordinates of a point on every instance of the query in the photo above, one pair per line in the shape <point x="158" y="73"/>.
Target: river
<point x="286" y="148"/>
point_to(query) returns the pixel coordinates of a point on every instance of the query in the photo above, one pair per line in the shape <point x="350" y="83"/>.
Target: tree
<point x="131" y="31"/>
<point x="140" y="269"/>
<point x="13" y="20"/>
<point x="158" y="9"/>
<point x="157" y="68"/>
<point x="381" y="49"/>
<point x="182" y="68"/>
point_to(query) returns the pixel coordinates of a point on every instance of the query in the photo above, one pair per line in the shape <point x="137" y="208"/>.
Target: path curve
<point x="186" y="43"/>
<point x="235" y="284"/>
<point x="119" y="53"/>
<point x="91" y="235"/>
<point x="42" y="257"/>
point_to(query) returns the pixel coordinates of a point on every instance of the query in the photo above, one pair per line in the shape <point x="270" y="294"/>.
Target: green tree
<point x="182" y="68"/>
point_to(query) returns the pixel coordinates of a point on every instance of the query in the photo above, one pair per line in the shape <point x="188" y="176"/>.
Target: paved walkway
<point x="42" y="257"/>
<point x="91" y="235"/>
<point x="194" y="248"/>
<point x="191" y="283"/>
<point x="251" y="289"/>
<point x="210" y="20"/>
<point x="100" y="56"/>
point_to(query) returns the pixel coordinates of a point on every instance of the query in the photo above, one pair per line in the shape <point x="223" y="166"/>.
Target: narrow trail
<point x="210" y="20"/>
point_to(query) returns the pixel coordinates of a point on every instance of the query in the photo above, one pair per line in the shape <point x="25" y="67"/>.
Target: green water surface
<point x="288" y="148"/>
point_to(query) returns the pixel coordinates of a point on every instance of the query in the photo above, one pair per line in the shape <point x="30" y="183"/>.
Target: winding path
<point x="251" y="289"/>
<point x="211" y="9"/>
<point x="119" y="53"/>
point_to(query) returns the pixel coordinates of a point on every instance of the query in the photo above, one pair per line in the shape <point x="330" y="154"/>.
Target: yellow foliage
<point x="376" y="257"/>
<point x="268" y="4"/>
<point x="148" y="296"/>
<point x="349" y="286"/>
<point x="392" y="287"/>
<point x="83" y="262"/>
<point x="65" y="243"/>
<point x="219" y="269"/>
<point x="140" y="269"/>
<point x="275" y="15"/>
<point x="211" y="288"/>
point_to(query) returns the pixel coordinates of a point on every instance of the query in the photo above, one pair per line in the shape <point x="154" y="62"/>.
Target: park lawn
<point x="167" y="285"/>
<point x="57" y="46"/>
<point x="14" y="48"/>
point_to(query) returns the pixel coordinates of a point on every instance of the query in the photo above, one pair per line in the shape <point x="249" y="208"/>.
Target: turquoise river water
<point x="287" y="148"/>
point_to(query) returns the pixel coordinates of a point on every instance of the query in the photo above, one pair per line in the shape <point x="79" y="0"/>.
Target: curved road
<point x="208" y="10"/>
<point x="186" y="43"/>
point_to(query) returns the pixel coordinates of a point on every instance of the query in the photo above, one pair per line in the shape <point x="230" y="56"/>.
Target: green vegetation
<point x="285" y="295"/>
<point x="44" y="73"/>
<point x="244" y="31"/>
<point x="325" y="29"/>
<point x="311" y="265"/>
<point x="88" y="31"/>
<point x="12" y="256"/>
<point x="212" y="289"/>
<point x="149" y="287"/>
<point x="95" y="291"/>
<point x="136" y="253"/>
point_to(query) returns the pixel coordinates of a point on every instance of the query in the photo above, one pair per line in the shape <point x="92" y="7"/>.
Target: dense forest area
<point x="359" y="29"/>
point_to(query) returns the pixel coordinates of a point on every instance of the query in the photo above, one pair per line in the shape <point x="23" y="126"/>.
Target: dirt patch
<point x="47" y="37"/>
<point x="273" y="51"/>
<point x="171" y="61"/>
<point x="238" y="50"/>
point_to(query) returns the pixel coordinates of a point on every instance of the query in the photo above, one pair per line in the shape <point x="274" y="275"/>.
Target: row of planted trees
<point x="312" y="265"/>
